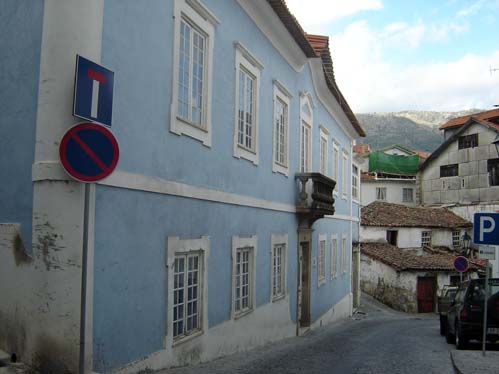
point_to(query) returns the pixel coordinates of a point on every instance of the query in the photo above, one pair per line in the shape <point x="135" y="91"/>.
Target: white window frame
<point x="344" y="175"/>
<point x="355" y="183"/>
<point x="200" y="18"/>
<point x="404" y="200"/>
<point x="245" y="61"/>
<point x="378" y="193"/>
<point x="426" y="238"/>
<point x="176" y="247"/>
<point x="281" y="93"/>
<point x="323" y="150"/>
<point x="279" y="240"/>
<point x="307" y="121"/>
<point x="344" y="249"/>
<point x="238" y="243"/>
<point x="336" y="165"/>
<point x="321" y="260"/>
<point x="456" y="243"/>
<point x="334" y="256"/>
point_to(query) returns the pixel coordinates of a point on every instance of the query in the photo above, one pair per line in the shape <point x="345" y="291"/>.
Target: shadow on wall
<point x="397" y="298"/>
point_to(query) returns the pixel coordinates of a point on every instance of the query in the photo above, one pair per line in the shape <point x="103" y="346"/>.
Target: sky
<point x="394" y="55"/>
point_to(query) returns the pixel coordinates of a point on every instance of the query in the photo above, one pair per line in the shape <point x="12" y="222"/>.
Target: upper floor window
<point x="248" y="69"/>
<point x="468" y="141"/>
<point x="355" y="182"/>
<point x="306" y="121"/>
<point x="193" y="56"/>
<point x="426" y="239"/>
<point x="336" y="164"/>
<point x="344" y="175"/>
<point x="456" y="238"/>
<point x="493" y="169"/>
<point x="449" y="170"/>
<point x="281" y="128"/>
<point x="323" y="151"/>
<point x="381" y="193"/>
<point x="407" y="195"/>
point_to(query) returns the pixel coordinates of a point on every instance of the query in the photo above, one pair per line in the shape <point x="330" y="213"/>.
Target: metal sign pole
<point x="83" y="310"/>
<point x="484" y="340"/>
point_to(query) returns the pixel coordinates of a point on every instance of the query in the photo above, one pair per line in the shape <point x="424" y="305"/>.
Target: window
<point x="381" y="193"/>
<point x="456" y="238"/>
<point x="306" y="120"/>
<point x="187" y="305"/>
<point x="426" y="239"/>
<point x="323" y="151"/>
<point x="247" y="78"/>
<point x="449" y="170"/>
<point x="334" y="256"/>
<point x="344" y="176"/>
<point x="278" y="244"/>
<point x="344" y="253"/>
<point x="192" y="79"/>
<point x="407" y="195"/>
<point x="243" y="280"/>
<point x="468" y="141"/>
<point x="391" y="237"/>
<point x="321" y="261"/>
<point x="355" y="182"/>
<point x="336" y="165"/>
<point x="281" y="125"/>
<point x="493" y="169"/>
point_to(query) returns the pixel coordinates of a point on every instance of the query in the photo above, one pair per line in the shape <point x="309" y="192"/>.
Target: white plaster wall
<point x="372" y="234"/>
<point x="393" y="191"/>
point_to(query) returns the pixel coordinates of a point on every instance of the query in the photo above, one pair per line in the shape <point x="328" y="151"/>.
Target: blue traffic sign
<point x="93" y="98"/>
<point x="461" y="264"/>
<point x="89" y="152"/>
<point x="486" y="228"/>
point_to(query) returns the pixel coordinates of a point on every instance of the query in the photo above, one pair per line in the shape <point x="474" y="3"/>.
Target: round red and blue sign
<point x="461" y="264"/>
<point x="89" y="152"/>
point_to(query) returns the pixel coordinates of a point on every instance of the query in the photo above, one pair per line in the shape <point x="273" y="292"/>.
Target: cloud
<point x="370" y="82"/>
<point x="312" y="13"/>
<point x="472" y="9"/>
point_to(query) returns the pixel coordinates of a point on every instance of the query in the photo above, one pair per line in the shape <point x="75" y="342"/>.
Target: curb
<point x="456" y="369"/>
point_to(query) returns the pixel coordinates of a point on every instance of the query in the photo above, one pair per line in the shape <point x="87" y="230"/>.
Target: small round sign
<point x="461" y="264"/>
<point x="89" y="152"/>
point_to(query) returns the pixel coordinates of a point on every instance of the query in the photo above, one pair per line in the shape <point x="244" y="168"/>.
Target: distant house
<point x="407" y="253"/>
<point x="404" y="280"/>
<point x="388" y="174"/>
<point x="463" y="173"/>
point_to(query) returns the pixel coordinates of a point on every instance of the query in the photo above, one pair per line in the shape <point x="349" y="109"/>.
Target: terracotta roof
<point x="395" y="215"/>
<point x="402" y="260"/>
<point x="423" y="154"/>
<point x="321" y="46"/>
<point x="455" y="136"/>
<point x="361" y="149"/>
<point x="459" y="121"/>
<point x="367" y="177"/>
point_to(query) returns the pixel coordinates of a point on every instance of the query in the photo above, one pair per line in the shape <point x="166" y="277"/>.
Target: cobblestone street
<point x="375" y="340"/>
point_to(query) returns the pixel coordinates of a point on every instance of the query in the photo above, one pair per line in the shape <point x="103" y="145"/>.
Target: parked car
<point x="465" y="313"/>
<point x="444" y="300"/>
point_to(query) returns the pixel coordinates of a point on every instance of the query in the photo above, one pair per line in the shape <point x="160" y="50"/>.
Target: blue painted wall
<point x="20" y="43"/>
<point x="132" y="226"/>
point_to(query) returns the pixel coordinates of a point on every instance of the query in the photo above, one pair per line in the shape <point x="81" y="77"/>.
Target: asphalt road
<point x="375" y="340"/>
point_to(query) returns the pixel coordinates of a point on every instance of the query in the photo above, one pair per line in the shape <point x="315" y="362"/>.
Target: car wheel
<point x="461" y="341"/>
<point x="449" y="338"/>
<point x="443" y="325"/>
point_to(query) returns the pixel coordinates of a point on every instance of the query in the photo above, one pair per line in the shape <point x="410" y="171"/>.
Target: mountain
<point x="413" y="129"/>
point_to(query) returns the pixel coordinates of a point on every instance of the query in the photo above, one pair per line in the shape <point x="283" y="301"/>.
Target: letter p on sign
<point x="484" y="228"/>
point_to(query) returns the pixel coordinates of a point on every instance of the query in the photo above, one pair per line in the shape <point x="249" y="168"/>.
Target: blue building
<point x="229" y="220"/>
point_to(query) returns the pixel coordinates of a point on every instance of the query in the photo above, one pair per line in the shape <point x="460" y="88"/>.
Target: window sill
<point x="187" y="122"/>
<point x="321" y="282"/>
<point x="245" y="153"/>
<point x="242" y="314"/>
<point x="356" y="201"/>
<point x="278" y="298"/>
<point x="186" y="338"/>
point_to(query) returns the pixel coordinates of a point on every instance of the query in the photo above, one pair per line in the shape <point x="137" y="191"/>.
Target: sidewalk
<point x="469" y="362"/>
<point x="7" y="367"/>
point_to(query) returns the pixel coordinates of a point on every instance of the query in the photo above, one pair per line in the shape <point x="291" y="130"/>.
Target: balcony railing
<point x="315" y="196"/>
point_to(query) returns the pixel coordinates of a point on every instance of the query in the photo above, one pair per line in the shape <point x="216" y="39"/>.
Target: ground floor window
<point x="243" y="279"/>
<point x="321" y="260"/>
<point x="493" y="169"/>
<point x="381" y="193"/>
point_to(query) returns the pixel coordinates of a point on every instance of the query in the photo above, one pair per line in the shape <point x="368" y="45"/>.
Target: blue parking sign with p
<point x="93" y="99"/>
<point x="486" y="228"/>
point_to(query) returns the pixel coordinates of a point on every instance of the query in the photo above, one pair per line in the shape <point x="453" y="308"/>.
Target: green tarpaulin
<point x="382" y="162"/>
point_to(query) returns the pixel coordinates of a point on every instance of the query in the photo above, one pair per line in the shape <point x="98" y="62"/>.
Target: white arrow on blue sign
<point x="94" y="86"/>
<point x="486" y="228"/>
